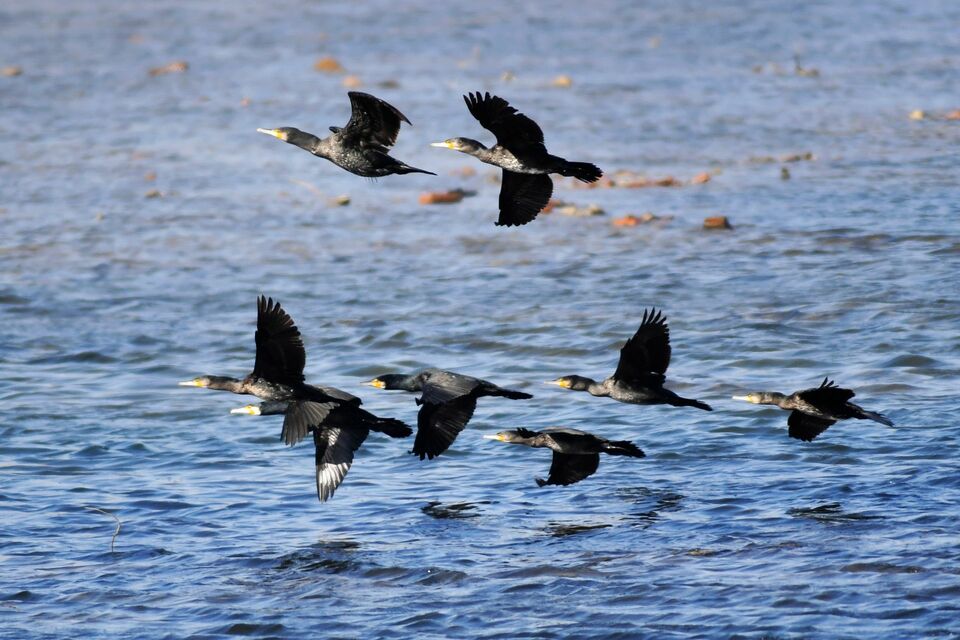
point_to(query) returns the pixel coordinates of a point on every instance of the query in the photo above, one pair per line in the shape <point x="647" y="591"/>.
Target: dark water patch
<point x="831" y="513"/>
<point x="454" y="511"/>
<point x="93" y="357"/>
<point x="560" y="530"/>
<point x="259" y="630"/>
<point x="880" y="567"/>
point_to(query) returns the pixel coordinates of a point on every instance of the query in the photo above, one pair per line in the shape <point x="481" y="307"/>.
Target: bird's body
<point x="639" y="377"/>
<point x="447" y="403"/>
<point x="362" y="146"/>
<point x="576" y="454"/>
<point x="814" y="410"/>
<point x="277" y="378"/>
<point x="525" y="186"/>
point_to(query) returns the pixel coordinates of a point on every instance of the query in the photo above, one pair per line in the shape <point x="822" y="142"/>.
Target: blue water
<point x="727" y="529"/>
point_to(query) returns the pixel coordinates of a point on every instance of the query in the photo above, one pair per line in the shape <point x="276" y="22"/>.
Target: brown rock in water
<point x="466" y="171"/>
<point x="953" y="115"/>
<point x="717" y="222"/>
<point x="328" y="64"/>
<point x="797" y="157"/>
<point x="174" y="67"/>
<point x="631" y="220"/>
<point x="563" y="81"/>
<point x="352" y="82"/>
<point x="153" y="193"/>
<point x="444" y="197"/>
<point x="11" y="71"/>
<point x="700" y="178"/>
<point x="784" y="173"/>
<point x="580" y="212"/>
<point x="551" y="205"/>
<point x="340" y="201"/>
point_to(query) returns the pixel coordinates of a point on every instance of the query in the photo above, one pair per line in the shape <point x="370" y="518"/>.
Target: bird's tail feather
<point x="583" y="171"/>
<point x="877" y="417"/>
<point x="690" y="402"/>
<point x="513" y="395"/>
<point x="405" y="168"/>
<point x="623" y="448"/>
<point x="389" y="426"/>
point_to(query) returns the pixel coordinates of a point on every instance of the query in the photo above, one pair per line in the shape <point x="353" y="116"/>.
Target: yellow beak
<point x="493" y="437"/>
<point x="446" y="145"/>
<point x="376" y="382"/>
<point x="276" y="133"/>
<point x="250" y="410"/>
<point x="560" y="383"/>
<point x="191" y="383"/>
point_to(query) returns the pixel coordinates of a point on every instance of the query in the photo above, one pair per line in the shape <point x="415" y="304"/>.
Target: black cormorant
<point x="336" y="436"/>
<point x="525" y="187"/>
<point x="447" y="403"/>
<point x="812" y="411"/>
<point x="361" y="146"/>
<point x="640" y="373"/>
<point x="576" y="454"/>
<point x="278" y="376"/>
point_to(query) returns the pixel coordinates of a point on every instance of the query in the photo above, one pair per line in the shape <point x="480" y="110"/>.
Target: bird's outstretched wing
<point x="280" y="353"/>
<point x="442" y="386"/>
<point x="828" y="396"/>
<point x="438" y="425"/>
<point x="522" y="197"/>
<point x="335" y="448"/>
<point x="569" y="468"/>
<point x="514" y="131"/>
<point x="805" y="427"/>
<point x="648" y="351"/>
<point x="373" y="122"/>
<point x="301" y="416"/>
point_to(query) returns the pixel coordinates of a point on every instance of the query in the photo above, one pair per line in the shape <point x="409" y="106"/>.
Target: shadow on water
<point x="331" y="557"/>
<point x="658" y="501"/>
<point x="455" y="511"/>
<point x="831" y="512"/>
<point x="560" y="530"/>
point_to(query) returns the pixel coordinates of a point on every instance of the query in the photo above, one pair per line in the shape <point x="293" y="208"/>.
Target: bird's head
<point x="293" y="136"/>
<point x="760" y="397"/>
<point x="390" y="382"/>
<point x="512" y="435"/>
<point x="464" y="145"/>
<point x="574" y="383"/>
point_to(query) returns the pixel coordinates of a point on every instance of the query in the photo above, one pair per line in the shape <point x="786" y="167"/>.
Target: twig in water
<point x="115" y="533"/>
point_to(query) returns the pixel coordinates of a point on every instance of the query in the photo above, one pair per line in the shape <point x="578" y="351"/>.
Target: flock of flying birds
<point x="448" y="400"/>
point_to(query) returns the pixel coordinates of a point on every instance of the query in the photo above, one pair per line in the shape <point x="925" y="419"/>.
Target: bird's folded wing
<point x="303" y="415"/>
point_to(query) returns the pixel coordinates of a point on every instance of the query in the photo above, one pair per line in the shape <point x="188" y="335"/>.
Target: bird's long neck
<point x="224" y="383"/>
<point x="412" y="382"/>
<point x="311" y="143"/>
<point x="777" y="399"/>
<point x="593" y="387"/>
<point x="483" y="154"/>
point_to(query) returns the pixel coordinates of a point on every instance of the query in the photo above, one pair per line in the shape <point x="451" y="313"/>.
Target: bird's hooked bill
<point x="495" y="436"/>
<point x="376" y="382"/>
<point x="250" y="409"/>
<point x="440" y="144"/>
<point x="190" y="383"/>
<point x="740" y="398"/>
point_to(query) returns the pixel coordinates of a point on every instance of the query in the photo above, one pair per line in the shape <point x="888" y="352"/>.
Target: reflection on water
<point x="454" y="511"/>
<point x="829" y="513"/>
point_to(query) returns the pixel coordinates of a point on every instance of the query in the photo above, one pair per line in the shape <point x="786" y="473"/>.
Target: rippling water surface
<point x="728" y="528"/>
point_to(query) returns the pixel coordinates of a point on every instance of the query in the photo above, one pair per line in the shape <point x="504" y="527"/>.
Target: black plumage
<point x="362" y="146"/>
<point x="525" y="187"/>
<point x="576" y="454"/>
<point x="814" y="410"/>
<point x="278" y="376"/>
<point x="447" y="403"/>
<point x="640" y="373"/>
